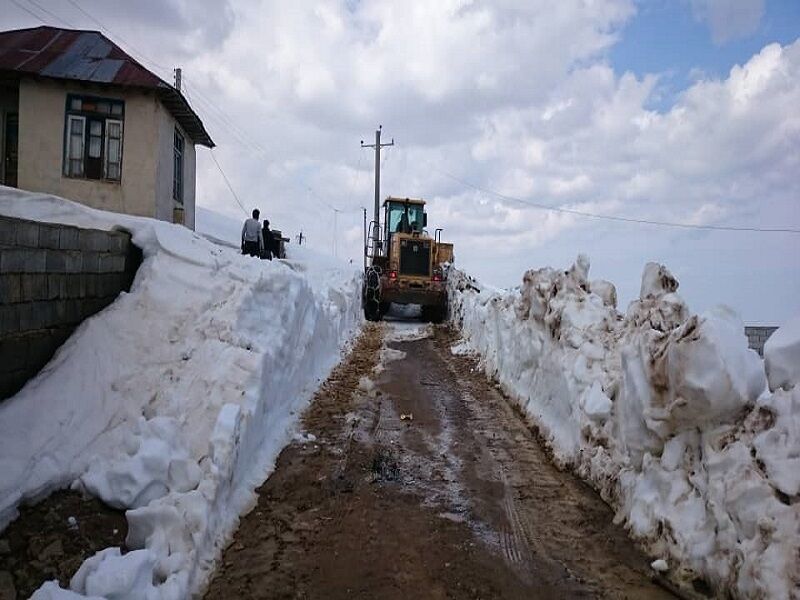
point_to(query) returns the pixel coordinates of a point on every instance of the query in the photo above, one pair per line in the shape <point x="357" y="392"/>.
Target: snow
<point x="782" y="356"/>
<point x="174" y="401"/>
<point x="110" y="575"/>
<point x="660" y="565"/>
<point x="667" y="414"/>
<point x="219" y="228"/>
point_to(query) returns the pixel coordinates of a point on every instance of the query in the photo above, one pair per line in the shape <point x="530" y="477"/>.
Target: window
<point x="93" y="144"/>
<point x="76" y="127"/>
<point x="415" y="216"/>
<point x="177" y="177"/>
<point x="113" y="149"/>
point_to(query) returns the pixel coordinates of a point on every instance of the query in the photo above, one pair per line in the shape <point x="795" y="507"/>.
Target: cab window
<point x="415" y="217"/>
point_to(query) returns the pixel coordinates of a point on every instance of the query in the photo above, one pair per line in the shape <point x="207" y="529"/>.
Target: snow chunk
<point x="659" y="565"/>
<point x="109" y="574"/>
<point x="710" y="372"/>
<point x="782" y="356"/>
<point x="595" y="403"/>
<point x="606" y="291"/>
<point x="155" y="464"/>
<point x="777" y="446"/>
<point x="659" y="307"/>
<point x="656" y="281"/>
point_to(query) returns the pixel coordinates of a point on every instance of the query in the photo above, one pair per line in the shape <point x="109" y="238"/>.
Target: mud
<point x="51" y="539"/>
<point x="456" y="499"/>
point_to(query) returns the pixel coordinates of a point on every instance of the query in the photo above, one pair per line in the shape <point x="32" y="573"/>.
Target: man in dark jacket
<point x="266" y="234"/>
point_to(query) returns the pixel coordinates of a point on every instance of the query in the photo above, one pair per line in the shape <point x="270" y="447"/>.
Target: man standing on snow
<point x="252" y="238"/>
<point x="266" y="234"/>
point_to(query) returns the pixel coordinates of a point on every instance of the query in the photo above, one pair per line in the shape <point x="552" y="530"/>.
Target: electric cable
<point x="227" y="182"/>
<point x="209" y="104"/>
<point x="581" y="213"/>
<point x="131" y="47"/>
<point x="31" y="13"/>
<point x="55" y="16"/>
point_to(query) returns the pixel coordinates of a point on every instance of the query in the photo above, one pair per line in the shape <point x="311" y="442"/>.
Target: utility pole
<point x="377" y="145"/>
<point x="300" y="238"/>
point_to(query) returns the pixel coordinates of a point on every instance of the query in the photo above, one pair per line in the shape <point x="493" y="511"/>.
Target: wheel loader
<point x="403" y="263"/>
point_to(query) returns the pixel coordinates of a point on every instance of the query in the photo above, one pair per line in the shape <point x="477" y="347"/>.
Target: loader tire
<point x="436" y="313"/>
<point x="372" y="311"/>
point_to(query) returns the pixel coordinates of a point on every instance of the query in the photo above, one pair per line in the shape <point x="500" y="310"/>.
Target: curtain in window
<point x="75" y="137"/>
<point x="113" y="149"/>
<point x="95" y="139"/>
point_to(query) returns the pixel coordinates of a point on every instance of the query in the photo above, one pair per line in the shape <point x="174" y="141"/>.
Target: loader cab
<point x="403" y="215"/>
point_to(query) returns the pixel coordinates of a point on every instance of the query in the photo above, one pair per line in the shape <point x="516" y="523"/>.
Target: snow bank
<point x="666" y="413"/>
<point x="782" y="356"/>
<point x="175" y="400"/>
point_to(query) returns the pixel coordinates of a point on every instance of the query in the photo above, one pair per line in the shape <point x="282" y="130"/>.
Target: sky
<point x="680" y="111"/>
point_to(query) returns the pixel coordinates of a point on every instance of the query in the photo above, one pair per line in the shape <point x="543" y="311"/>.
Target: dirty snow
<point x="667" y="414"/>
<point x="175" y="400"/>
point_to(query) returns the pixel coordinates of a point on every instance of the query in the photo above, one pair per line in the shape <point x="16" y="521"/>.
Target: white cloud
<point x="513" y="96"/>
<point x="729" y="19"/>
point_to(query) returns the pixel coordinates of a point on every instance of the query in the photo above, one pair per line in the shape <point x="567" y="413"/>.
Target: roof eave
<point x="179" y="107"/>
<point x="171" y="98"/>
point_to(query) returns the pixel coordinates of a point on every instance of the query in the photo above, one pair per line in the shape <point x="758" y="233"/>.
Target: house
<point x="82" y="119"/>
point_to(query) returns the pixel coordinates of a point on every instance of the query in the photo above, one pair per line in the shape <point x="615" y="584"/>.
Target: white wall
<point x="147" y="166"/>
<point x="42" y="108"/>
<point x="165" y="204"/>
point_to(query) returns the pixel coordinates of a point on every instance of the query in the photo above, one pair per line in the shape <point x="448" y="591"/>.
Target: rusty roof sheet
<point x="89" y="56"/>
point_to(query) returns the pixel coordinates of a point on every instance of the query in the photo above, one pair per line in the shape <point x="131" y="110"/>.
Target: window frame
<point x="108" y="139"/>
<point x="114" y="113"/>
<point x="68" y="147"/>
<point x="395" y="215"/>
<point x="178" y="166"/>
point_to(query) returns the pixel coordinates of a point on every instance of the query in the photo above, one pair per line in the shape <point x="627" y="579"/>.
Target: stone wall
<point x="757" y="336"/>
<point x="52" y="277"/>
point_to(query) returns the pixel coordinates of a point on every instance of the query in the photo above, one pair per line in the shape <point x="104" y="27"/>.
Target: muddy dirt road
<point x="423" y="482"/>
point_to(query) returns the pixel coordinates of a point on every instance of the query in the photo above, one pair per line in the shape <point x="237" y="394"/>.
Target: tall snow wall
<point x="174" y="401"/>
<point x="667" y="414"/>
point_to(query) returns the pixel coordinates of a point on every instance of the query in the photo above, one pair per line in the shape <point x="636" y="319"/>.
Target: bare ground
<point x="459" y="501"/>
<point x="51" y="539"/>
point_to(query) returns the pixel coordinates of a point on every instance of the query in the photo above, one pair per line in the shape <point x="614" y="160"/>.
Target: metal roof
<point x="89" y="56"/>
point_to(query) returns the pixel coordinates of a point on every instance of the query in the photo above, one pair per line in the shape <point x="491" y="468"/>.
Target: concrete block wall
<point x="757" y="337"/>
<point x="52" y="277"/>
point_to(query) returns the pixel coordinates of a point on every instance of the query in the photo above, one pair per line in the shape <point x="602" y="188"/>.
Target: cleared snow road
<point x="458" y="501"/>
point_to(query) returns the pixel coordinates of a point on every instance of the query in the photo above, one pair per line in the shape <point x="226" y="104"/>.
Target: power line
<point x="220" y="117"/>
<point x="199" y="96"/>
<point x="31" y="13"/>
<point x="227" y="127"/>
<point x="237" y="132"/>
<point x="131" y="47"/>
<point x="227" y="182"/>
<point x="47" y="12"/>
<point x="581" y="213"/>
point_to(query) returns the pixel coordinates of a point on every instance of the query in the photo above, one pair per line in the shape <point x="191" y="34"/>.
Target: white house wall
<point x="165" y="204"/>
<point x="42" y="107"/>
